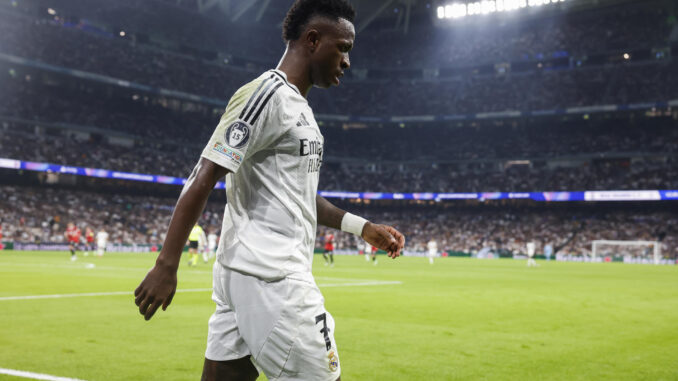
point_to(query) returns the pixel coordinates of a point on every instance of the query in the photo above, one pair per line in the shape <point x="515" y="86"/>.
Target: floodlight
<point x="458" y="10"/>
<point x="488" y="7"/>
<point x="500" y="5"/>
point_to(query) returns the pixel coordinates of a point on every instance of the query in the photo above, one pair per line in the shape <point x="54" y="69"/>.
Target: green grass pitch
<point x="460" y="319"/>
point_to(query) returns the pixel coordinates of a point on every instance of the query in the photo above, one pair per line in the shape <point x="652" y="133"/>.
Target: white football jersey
<point x="212" y="241"/>
<point x="270" y="141"/>
<point x="531" y="248"/>
<point x="102" y="237"/>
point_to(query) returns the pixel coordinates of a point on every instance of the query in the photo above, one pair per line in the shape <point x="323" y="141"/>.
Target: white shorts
<point x="283" y="325"/>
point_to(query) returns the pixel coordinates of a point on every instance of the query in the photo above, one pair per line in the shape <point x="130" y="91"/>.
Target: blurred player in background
<point x="269" y="310"/>
<point x="212" y="239"/>
<point x="89" y="240"/>
<point x="194" y="238"/>
<point x="548" y="251"/>
<point x="432" y="246"/>
<point x="72" y="235"/>
<point x="202" y="245"/>
<point x="531" y="248"/>
<point x="329" y="249"/>
<point x="371" y="252"/>
<point x="102" y="241"/>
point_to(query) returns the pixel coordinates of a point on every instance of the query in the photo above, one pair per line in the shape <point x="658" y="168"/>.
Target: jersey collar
<point x="283" y="76"/>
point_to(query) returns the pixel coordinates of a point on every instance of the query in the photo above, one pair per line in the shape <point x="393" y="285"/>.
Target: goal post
<point x="598" y="248"/>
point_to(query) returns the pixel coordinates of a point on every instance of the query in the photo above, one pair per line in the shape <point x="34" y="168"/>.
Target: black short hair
<point x="302" y="11"/>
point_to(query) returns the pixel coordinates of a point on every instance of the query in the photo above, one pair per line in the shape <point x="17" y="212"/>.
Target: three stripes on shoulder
<point x="256" y="103"/>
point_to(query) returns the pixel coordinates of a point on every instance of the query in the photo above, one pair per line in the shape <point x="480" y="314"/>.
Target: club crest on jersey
<point x="334" y="361"/>
<point x="237" y="134"/>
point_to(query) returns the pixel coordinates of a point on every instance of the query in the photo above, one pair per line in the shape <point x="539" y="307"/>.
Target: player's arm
<point x="158" y="287"/>
<point x="381" y="236"/>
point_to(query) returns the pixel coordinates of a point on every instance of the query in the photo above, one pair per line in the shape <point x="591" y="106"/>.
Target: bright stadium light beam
<point x="458" y="10"/>
<point x="500" y="5"/>
<point x="488" y="7"/>
<point x="474" y="8"/>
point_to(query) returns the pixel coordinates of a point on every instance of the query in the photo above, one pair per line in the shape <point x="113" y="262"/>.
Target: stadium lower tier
<point x="40" y="214"/>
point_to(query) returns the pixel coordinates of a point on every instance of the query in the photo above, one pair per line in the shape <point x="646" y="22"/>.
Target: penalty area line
<point x="35" y="376"/>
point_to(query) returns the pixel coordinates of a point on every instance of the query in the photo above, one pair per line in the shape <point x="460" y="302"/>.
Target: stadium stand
<point x="641" y="29"/>
<point x="48" y="113"/>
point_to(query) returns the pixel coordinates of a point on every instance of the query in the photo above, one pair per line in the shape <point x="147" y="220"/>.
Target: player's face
<point x="331" y="58"/>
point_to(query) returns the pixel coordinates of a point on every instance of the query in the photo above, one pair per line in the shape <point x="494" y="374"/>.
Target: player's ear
<point x="312" y="39"/>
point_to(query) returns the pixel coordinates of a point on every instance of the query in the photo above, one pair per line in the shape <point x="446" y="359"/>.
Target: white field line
<point x="35" y="376"/>
<point x="366" y="283"/>
<point x="60" y="296"/>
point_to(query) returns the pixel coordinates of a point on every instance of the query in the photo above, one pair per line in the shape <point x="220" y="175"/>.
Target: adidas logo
<point x="302" y="121"/>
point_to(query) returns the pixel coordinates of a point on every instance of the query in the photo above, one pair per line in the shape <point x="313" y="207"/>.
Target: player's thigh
<point x="238" y="369"/>
<point x="286" y="327"/>
<point x="314" y="355"/>
<point x="224" y="341"/>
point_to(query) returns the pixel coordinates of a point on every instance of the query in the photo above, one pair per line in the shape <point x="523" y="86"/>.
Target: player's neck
<point x="296" y="68"/>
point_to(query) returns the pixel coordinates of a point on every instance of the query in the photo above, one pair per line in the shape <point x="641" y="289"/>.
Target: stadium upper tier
<point x="442" y="91"/>
<point x="575" y="33"/>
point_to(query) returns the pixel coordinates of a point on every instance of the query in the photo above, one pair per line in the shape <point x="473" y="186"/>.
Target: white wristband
<point x="353" y="224"/>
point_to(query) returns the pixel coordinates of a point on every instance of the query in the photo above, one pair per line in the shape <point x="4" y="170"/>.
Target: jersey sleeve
<point x="249" y="124"/>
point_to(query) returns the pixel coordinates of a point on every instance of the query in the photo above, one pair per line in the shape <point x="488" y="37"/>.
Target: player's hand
<point x="157" y="289"/>
<point x="384" y="237"/>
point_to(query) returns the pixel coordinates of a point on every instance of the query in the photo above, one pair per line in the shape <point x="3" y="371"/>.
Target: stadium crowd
<point x="541" y="90"/>
<point x="149" y="119"/>
<point x="607" y="175"/>
<point x="490" y="41"/>
<point x="41" y="214"/>
<point x="509" y="230"/>
<point x="575" y="155"/>
<point x="536" y="89"/>
<point x="591" y="156"/>
<point x="626" y="26"/>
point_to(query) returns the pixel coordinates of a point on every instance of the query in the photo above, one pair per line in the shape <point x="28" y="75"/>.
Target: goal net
<point x="630" y="251"/>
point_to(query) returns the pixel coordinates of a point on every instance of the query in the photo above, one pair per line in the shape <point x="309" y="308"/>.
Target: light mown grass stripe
<point x="372" y="283"/>
<point x="35" y="376"/>
<point x="60" y="296"/>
